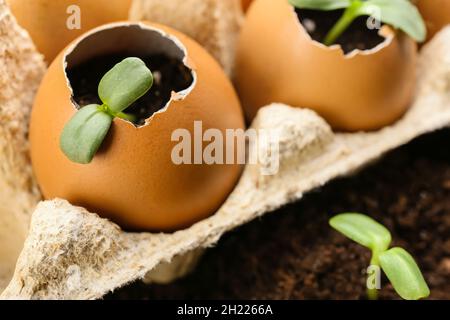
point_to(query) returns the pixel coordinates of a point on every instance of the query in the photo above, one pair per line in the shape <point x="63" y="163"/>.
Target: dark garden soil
<point x="169" y="74"/>
<point x="294" y="254"/>
<point x="357" y="36"/>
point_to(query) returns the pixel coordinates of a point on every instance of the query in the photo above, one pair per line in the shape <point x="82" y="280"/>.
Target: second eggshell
<point x="53" y="24"/>
<point x="436" y="14"/>
<point x="277" y="61"/>
<point x="133" y="179"/>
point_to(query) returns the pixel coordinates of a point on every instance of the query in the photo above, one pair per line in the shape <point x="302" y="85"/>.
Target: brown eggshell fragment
<point x="132" y="179"/>
<point x="50" y="22"/>
<point x="436" y="14"/>
<point x="277" y="61"/>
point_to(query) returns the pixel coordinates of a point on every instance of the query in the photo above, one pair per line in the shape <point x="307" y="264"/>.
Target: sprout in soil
<point x="120" y="87"/>
<point x="401" y="14"/>
<point x="398" y="265"/>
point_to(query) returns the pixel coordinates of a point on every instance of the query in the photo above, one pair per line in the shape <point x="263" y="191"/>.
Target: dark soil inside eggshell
<point x="357" y="36"/>
<point x="294" y="253"/>
<point x="170" y="75"/>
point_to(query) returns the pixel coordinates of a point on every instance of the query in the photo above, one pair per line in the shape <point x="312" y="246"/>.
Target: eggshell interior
<point x="132" y="179"/>
<point x="47" y="20"/>
<point x="277" y="61"/>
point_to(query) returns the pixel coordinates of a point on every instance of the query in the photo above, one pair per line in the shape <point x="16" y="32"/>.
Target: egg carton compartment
<point x="21" y="70"/>
<point x="213" y="23"/>
<point x="70" y="253"/>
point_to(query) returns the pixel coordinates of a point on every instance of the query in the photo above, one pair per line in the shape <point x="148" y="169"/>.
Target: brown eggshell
<point x="132" y="179"/>
<point x="46" y="20"/>
<point x="246" y="4"/>
<point x="436" y="14"/>
<point x="278" y="62"/>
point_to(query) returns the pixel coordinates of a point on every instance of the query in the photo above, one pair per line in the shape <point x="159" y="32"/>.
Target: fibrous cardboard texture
<point x="71" y="253"/>
<point x="215" y="24"/>
<point x="21" y="69"/>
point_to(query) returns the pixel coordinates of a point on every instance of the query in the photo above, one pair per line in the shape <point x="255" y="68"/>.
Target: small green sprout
<point x="401" y="14"/>
<point x="398" y="265"/>
<point x="120" y="87"/>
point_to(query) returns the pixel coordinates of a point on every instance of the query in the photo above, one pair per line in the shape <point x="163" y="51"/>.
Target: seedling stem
<point x="399" y="266"/>
<point x="400" y="14"/>
<point x="119" y="88"/>
<point x="343" y="23"/>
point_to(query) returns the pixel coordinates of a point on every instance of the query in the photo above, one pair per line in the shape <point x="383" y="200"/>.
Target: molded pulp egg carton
<point x="52" y="249"/>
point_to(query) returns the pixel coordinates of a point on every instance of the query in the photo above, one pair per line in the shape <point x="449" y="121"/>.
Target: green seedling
<point x="398" y="265"/>
<point x="120" y="87"/>
<point x="401" y="14"/>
